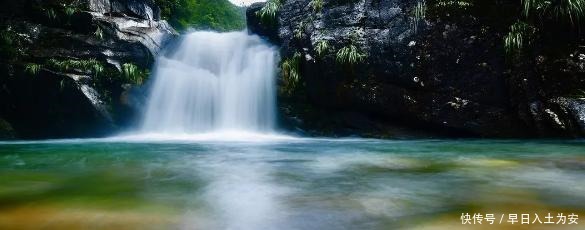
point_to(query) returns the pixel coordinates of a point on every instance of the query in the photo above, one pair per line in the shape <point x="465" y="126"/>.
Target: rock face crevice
<point x="74" y="101"/>
<point x="446" y="74"/>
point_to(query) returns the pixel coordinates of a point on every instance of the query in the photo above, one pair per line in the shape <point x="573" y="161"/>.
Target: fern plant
<point x="350" y="54"/>
<point x="268" y="12"/>
<point x="33" y="68"/>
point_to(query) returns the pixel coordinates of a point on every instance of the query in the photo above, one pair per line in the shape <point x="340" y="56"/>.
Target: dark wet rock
<point x="446" y="75"/>
<point x="259" y="26"/>
<point x="56" y="103"/>
<point x="6" y="130"/>
<point x="143" y="9"/>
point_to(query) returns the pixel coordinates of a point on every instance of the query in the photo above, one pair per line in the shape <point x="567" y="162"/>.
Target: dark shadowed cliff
<point x="366" y="66"/>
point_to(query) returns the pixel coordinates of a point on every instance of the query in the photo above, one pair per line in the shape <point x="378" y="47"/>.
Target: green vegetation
<point x="559" y="10"/>
<point x="99" y="33"/>
<point x="32" y="68"/>
<point x="299" y="31"/>
<point x="321" y="47"/>
<point x="418" y="14"/>
<point x="537" y="16"/>
<point x="291" y="72"/>
<point x="11" y="45"/>
<point x="268" y="12"/>
<point x="133" y="74"/>
<point x="218" y="15"/>
<point x="51" y="14"/>
<point x="520" y="35"/>
<point x="71" y="8"/>
<point x="350" y="54"/>
<point x="316" y="5"/>
<point x="130" y="73"/>
<point x="87" y="66"/>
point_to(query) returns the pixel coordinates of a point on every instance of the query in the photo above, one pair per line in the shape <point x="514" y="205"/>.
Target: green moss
<point x="218" y="15"/>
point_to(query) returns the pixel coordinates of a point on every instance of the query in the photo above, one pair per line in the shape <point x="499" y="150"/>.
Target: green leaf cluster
<point x="220" y="15"/>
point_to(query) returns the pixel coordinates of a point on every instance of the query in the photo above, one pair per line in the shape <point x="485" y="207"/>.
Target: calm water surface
<point x="284" y="184"/>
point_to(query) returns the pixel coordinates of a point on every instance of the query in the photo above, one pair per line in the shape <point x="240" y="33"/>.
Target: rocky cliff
<point x="69" y="67"/>
<point x="366" y="66"/>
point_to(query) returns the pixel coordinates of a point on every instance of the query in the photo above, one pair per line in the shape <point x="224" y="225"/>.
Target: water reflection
<point x="284" y="184"/>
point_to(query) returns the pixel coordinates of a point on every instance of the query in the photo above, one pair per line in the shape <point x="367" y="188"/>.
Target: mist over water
<point x="214" y="82"/>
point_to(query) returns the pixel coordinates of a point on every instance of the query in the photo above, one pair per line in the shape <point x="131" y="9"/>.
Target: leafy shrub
<point x="218" y="15"/>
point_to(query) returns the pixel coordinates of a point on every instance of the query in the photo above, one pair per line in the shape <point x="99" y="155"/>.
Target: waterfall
<point x="214" y="82"/>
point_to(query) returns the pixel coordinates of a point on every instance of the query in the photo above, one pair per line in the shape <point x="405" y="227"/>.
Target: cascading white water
<point x="214" y="82"/>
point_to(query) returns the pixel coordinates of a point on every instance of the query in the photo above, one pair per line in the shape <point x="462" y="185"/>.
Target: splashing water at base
<point x="214" y="82"/>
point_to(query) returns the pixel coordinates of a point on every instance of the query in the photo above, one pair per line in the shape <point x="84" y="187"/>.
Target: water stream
<point x="214" y="82"/>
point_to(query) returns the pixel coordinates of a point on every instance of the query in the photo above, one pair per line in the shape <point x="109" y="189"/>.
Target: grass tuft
<point x="291" y="72"/>
<point x="519" y="37"/>
<point x="32" y="68"/>
<point x="270" y="9"/>
<point x="321" y="47"/>
<point x="350" y="55"/>
<point x="559" y="10"/>
<point x="316" y="5"/>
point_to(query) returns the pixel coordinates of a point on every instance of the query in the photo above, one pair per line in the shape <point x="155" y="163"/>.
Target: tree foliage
<point x="218" y="15"/>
